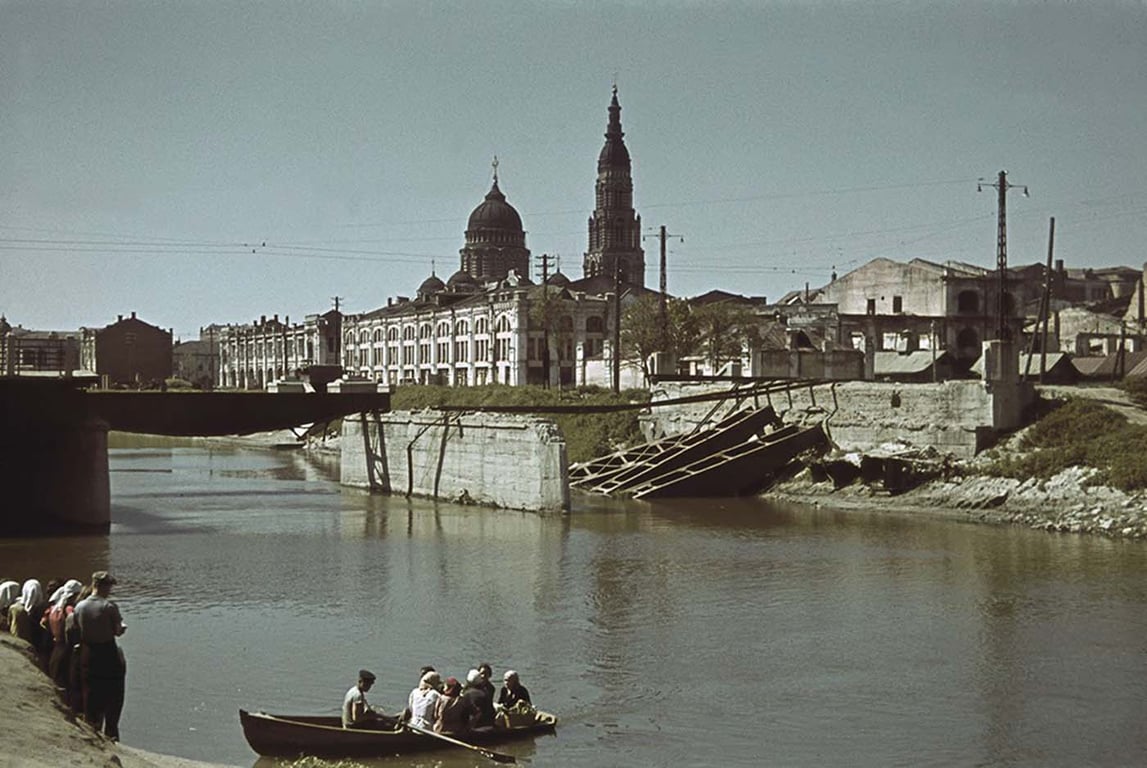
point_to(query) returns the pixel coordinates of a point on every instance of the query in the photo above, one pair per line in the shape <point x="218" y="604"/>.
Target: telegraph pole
<point x="545" y="352"/>
<point x="616" y="324"/>
<point x="1002" y="186"/>
<point x="663" y="299"/>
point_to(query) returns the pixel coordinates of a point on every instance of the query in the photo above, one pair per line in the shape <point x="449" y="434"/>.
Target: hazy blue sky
<point x="146" y="148"/>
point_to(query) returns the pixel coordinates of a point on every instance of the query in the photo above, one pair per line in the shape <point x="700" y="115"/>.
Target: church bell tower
<point x="614" y="227"/>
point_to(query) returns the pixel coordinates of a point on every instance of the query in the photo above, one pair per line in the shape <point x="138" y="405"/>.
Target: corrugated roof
<point x="891" y="363"/>
<point x="1053" y="359"/>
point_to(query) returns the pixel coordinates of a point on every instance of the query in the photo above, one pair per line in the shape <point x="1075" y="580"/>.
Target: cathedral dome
<point x="495" y="213"/>
<point x="462" y="282"/>
<point x="431" y="286"/>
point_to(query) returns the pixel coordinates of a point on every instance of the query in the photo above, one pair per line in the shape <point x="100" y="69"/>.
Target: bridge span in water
<point x="53" y="445"/>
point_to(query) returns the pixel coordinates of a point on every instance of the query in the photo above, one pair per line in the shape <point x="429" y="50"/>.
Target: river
<point x="693" y="633"/>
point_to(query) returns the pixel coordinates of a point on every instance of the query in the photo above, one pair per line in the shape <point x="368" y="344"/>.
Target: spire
<point x="614" y="130"/>
<point x="495" y="193"/>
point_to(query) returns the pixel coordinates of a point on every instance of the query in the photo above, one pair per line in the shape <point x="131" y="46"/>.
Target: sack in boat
<point x="518" y="716"/>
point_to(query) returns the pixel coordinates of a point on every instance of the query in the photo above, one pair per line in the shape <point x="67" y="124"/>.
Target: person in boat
<point x="512" y="692"/>
<point x="481" y="699"/>
<point x="357" y="713"/>
<point x="487" y="672"/>
<point x="453" y="714"/>
<point x="102" y="664"/>
<point x="405" y="716"/>
<point x="423" y="700"/>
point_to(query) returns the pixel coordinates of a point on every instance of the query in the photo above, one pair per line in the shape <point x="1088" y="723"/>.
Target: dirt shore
<point x="42" y="733"/>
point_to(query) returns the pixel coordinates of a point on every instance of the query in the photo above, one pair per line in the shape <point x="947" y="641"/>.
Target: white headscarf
<point x="32" y="595"/>
<point x="62" y="596"/>
<point x="9" y="591"/>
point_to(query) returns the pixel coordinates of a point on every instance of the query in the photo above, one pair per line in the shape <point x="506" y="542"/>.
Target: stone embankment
<point x="1064" y="503"/>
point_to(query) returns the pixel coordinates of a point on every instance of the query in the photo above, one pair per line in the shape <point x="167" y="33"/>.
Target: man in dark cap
<point x="357" y="713"/>
<point x="102" y="664"/>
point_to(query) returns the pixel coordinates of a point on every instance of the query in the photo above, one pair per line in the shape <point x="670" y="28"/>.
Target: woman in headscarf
<point x="453" y="714"/>
<point x="24" y="614"/>
<point x="9" y="591"/>
<point x="423" y="699"/>
<point x="63" y="604"/>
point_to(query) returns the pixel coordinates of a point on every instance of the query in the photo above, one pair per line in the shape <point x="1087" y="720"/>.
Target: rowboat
<point x="323" y="736"/>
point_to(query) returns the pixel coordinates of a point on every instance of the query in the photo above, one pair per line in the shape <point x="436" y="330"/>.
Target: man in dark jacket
<point x="480" y="699"/>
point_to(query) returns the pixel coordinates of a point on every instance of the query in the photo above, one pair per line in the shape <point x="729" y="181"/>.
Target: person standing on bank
<point x="102" y="664"/>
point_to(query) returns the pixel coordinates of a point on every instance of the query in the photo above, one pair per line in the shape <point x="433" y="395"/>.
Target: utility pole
<point x="338" y="322"/>
<point x="1002" y="185"/>
<point x="663" y="299"/>
<point x="545" y="351"/>
<point x="616" y="324"/>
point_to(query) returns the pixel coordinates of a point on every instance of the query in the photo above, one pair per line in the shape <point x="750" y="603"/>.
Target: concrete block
<point x="517" y="462"/>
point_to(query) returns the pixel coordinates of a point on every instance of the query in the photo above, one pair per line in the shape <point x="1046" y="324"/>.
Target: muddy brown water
<point x="698" y="632"/>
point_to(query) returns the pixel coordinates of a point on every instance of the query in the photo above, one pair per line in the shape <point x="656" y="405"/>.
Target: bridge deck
<point x="179" y="413"/>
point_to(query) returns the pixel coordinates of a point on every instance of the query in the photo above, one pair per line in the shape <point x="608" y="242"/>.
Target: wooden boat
<point x="323" y="736"/>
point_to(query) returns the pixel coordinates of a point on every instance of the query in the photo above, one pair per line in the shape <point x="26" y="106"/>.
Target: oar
<point x="497" y="757"/>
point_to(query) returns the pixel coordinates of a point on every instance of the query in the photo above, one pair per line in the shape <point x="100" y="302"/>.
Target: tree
<point x="642" y="333"/>
<point x="724" y="329"/>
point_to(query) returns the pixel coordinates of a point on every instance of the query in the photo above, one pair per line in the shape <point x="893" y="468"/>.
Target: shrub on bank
<point x="587" y="434"/>
<point x="1080" y="433"/>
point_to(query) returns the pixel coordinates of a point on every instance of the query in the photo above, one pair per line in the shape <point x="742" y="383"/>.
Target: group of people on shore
<point x="445" y="706"/>
<point x="73" y="629"/>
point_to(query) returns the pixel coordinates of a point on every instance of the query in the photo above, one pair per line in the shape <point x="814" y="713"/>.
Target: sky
<point x="201" y="161"/>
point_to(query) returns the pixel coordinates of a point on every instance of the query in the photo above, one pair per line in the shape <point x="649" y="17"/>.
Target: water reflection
<point x="250" y="579"/>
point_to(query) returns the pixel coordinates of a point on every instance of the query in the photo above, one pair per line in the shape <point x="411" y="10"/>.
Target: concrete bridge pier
<point x="53" y="461"/>
<point x="55" y="478"/>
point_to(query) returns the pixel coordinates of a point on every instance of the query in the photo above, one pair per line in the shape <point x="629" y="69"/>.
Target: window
<point x="897" y="304"/>
<point x="968" y="302"/>
<point x="593" y="324"/>
<point x="461" y="351"/>
<point x="481" y="325"/>
<point x="871" y="308"/>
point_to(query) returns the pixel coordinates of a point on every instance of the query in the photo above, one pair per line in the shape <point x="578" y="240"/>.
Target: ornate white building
<point x="472" y="331"/>
<point x="488" y="323"/>
<point x="252" y="355"/>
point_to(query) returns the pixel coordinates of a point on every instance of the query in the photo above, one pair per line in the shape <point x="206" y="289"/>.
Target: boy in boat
<point x="357" y="713"/>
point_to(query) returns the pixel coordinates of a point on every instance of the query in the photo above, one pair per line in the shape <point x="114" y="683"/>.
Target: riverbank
<point x="1067" y="502"/>
<point x="42" y="733"/>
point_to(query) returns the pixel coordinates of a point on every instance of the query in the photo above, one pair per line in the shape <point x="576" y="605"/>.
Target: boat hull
<point x="320" y="736"/>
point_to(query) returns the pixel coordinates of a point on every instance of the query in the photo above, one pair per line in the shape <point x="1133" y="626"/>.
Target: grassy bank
<point x="587" y="434"/>
<point x="1078" y="432"/>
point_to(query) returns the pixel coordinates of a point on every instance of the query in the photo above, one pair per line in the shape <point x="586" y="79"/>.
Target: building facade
<point x="26" y="352"/>
<point x="253" y="355"/>
<point x="488" y="322"/>
<point x="127" y="353"/>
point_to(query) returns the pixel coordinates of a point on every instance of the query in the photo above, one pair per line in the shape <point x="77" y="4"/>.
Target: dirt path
<point x="1113" y="397"/>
